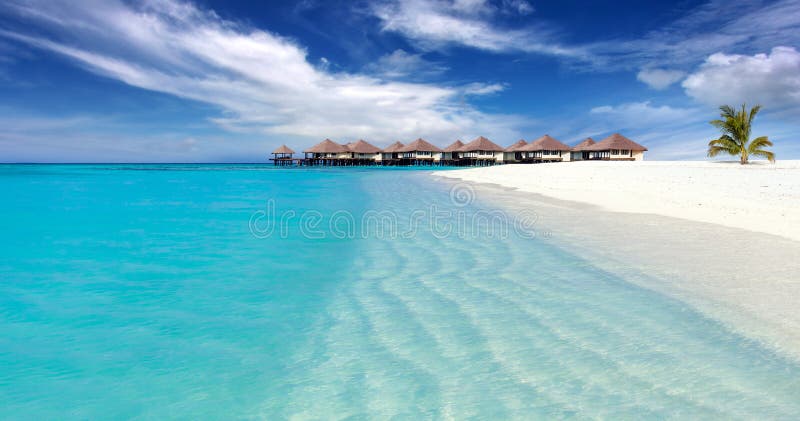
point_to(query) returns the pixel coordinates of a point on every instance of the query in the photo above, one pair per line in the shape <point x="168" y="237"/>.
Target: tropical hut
<point x="450" y="154"/>
<point x="326" y="152"/>
<point x="617" y="148"/>
<point x="363" y="153"/>
<point x="512" y="153"/>
<point x="420" y="152"/>
<point x="282" y="156"/>
<point x="390" y="155"/>
<point x="481" y="151"/>
<point x="546" y="149"/>
<point x="580" y="152"/>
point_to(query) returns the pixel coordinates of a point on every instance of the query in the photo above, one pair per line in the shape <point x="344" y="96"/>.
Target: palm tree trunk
<point x="743" y="159"/>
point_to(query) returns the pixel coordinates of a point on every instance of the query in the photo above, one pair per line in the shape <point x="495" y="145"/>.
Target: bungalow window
<point x="424" y="153"/>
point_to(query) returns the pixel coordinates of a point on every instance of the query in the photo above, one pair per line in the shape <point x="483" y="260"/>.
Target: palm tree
<point x="735" y="140"/>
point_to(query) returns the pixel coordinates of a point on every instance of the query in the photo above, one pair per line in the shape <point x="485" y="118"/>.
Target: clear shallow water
<point x="140" y="291"/>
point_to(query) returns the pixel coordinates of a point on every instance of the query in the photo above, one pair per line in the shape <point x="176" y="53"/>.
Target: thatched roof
<point x="481" y="144"/>
<point x="545" y="143"/>
<point x="326" y="146"/>
<point x="394" y="147"/>
<point x="455" y="146"/>
<point x="584" y="145"/>
<point x="420" y="145"/>
<point x="616" y="141"/>
<point x="518" y="144"/>
<point x="361" y="146"/>
<point x="283" y="149"/>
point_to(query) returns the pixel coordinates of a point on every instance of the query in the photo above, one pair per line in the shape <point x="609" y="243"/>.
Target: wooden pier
<point x="481" y="152"/>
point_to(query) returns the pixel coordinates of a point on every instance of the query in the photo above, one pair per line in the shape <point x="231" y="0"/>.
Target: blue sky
<point x="227" y="81"/>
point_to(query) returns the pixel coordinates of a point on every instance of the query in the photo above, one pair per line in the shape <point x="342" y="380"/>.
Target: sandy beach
<point x="674" y="227"/>
<point x="759" y="197"/>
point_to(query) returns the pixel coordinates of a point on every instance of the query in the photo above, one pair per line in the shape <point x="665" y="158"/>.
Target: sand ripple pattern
<point x="453" y="328"/>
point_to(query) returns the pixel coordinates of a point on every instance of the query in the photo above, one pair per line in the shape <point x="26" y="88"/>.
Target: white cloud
<point x="642" y="114"/>
<point x="432" y="24"/>
<point x="261" y="81"/>
<point x="82" y="138"/>
<point x="772" y="80"/>
<point x="718" y="25"/>
<point x="483" y="88"/>
<point x="672" y="132"/>
<point x="521" y="7"/>
<point x="659" y="78"/>
<point x="487" y="8"/>
<point x="401" y="64"/>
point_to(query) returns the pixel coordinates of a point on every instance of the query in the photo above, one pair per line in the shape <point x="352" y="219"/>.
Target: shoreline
<point x="757" y="197"/>
<point x="695" y="262"/>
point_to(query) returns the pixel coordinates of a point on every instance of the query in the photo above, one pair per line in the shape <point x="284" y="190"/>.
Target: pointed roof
<point x="584" y="145"/>
<point x="420" y="145"/>
<point x="516" y="145"/>
<point x="616" y="141"/>
<point x="283" y="149"/>
<point x="361" y="146"/>
<point x="327" y="146"/>
<point x="394" y="147"/>
<point x="545" y="143"/>
<point x="482" y="144"/>
<point x="455" y="146"/>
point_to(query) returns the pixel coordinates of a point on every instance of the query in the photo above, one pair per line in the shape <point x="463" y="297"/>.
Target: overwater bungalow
<point x="616" y="148"/>
<point x="390" y="155"/>
<point x="363" y="153"/>
<point x="512" y="153"/>
<point x="282" y="156"/>
<point x="546" y="149"/>
<point x="580" y="152"/>
<point x="450" y="154"/>
<point x="420" y="152"/>
<point x="326" y="152"/>
<point x="480" y="152"/>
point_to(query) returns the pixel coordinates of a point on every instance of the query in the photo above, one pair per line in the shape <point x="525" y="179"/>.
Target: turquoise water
<point x="154" y="292"/>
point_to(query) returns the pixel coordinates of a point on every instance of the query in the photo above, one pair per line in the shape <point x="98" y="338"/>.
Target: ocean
<point x="248" y="291"/>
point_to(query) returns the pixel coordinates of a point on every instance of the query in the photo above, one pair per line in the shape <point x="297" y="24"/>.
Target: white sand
<point x="747" y="280"/>
<point x="759" y="197"/>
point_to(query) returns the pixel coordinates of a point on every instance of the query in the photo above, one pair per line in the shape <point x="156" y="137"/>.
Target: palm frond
<point x="764" y="153"/>
<point x="725" y="144"/>
<point x="753" y="112"/>
<point x="718" y="123"/>
<point x="724" y="140"/>
<point x="716" y="150"/>
<point x="727" y="111"/>
<point x="759" y="143"/>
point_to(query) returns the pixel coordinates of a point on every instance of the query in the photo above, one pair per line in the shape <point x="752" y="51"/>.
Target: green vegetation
<point x="735" y="140"/>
